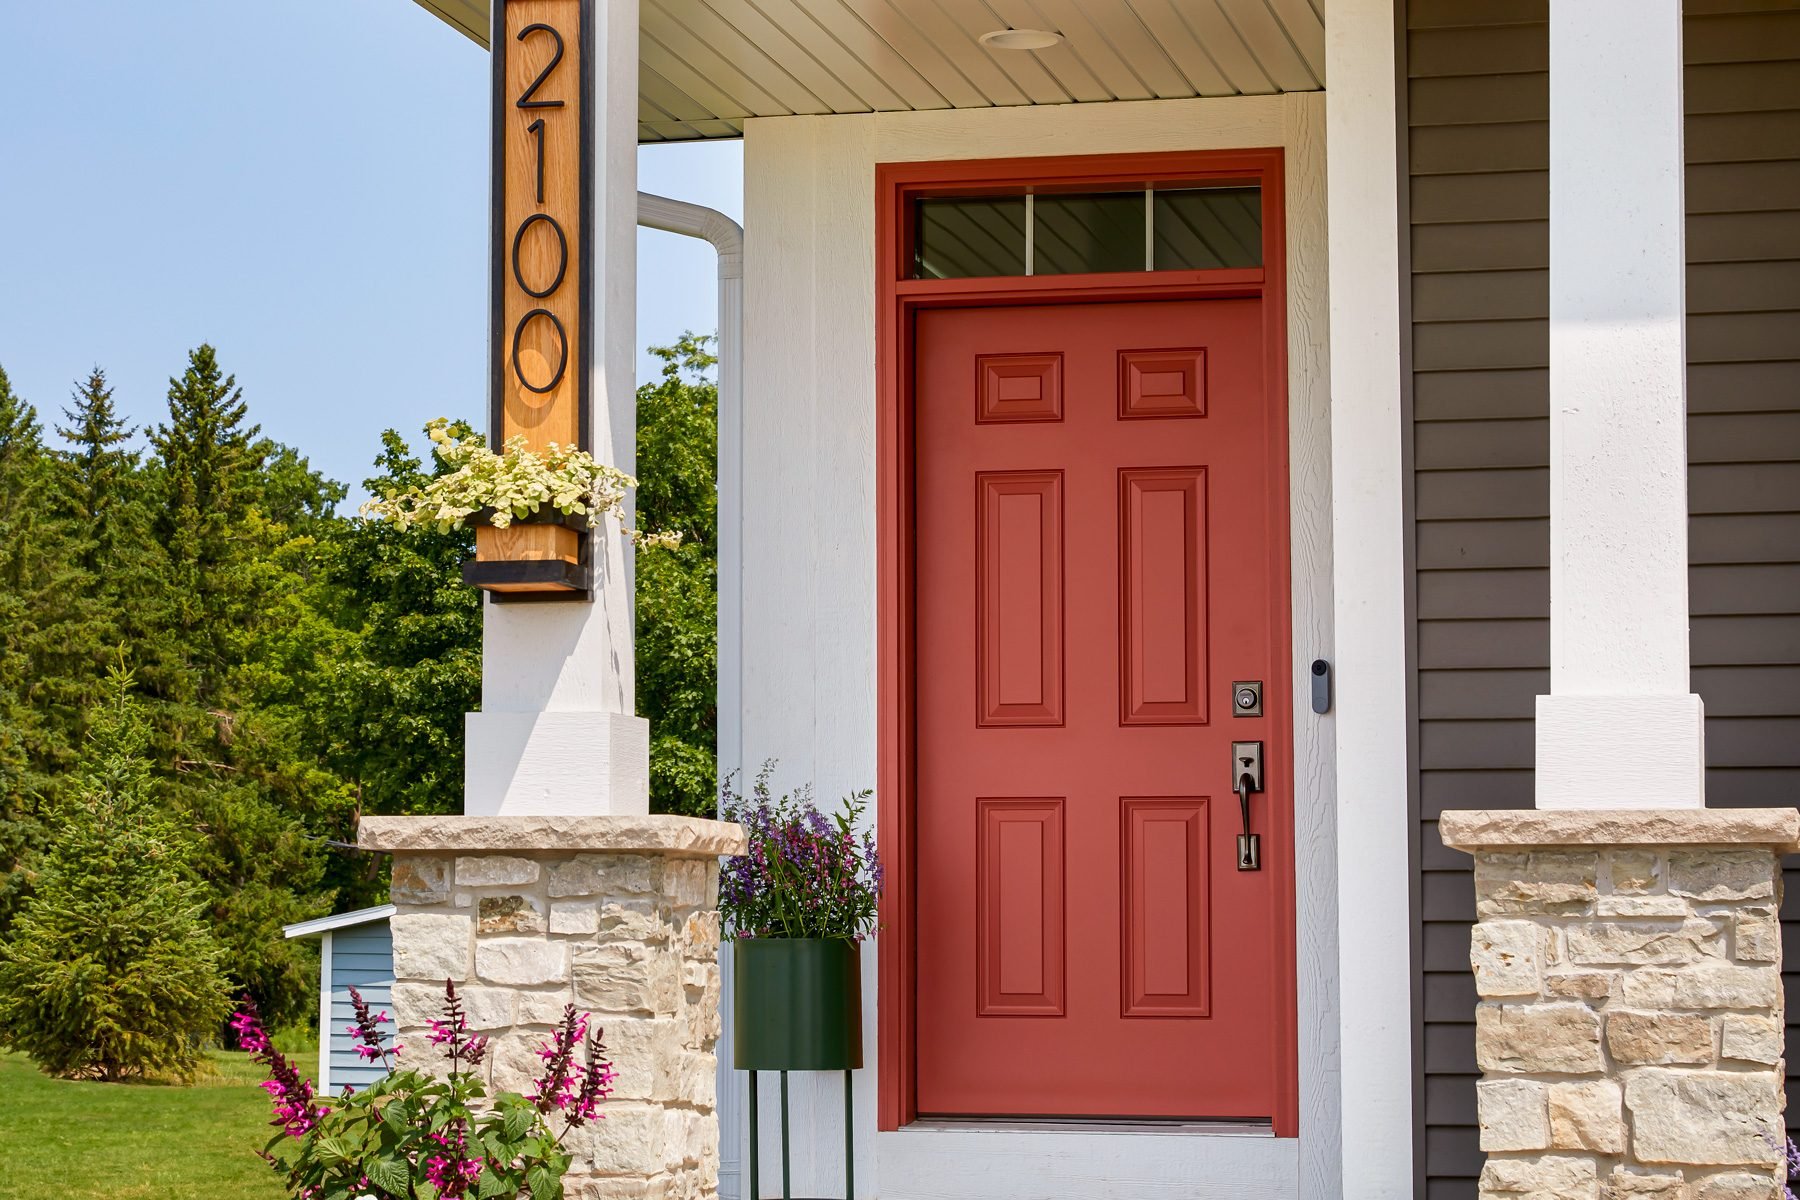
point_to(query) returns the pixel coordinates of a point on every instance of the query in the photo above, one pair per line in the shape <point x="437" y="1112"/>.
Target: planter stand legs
<point x="787" y="1190"/>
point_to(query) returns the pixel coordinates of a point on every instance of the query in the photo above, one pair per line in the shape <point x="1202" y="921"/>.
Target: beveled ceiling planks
<point x="710" y="64"/>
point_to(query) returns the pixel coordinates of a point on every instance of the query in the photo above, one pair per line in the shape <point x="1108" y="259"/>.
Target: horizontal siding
<point x="361" y="957"/>
<point x="1478" y="145"/>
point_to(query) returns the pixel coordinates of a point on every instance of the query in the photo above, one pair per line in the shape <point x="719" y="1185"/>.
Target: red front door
<point x="1100" y="553"/>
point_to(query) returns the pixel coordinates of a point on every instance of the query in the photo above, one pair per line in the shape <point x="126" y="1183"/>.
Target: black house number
<point x="528" y="99"/>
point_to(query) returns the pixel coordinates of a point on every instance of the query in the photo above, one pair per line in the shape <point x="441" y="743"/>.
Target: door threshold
<point x="1094" y="1125"/>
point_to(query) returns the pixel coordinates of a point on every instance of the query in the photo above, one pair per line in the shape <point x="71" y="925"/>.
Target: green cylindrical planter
<point x="796" y="1004"/>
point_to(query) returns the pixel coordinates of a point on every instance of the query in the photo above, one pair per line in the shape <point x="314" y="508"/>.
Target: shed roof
<point x="318" y="925"/>
<point x="707" y="65"/>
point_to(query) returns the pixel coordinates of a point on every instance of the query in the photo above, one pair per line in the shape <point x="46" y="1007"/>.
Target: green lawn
<point x="100" y="1141"/>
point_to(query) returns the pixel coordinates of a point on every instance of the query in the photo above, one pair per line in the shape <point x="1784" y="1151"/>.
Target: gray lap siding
<point x="1476" y="91"/>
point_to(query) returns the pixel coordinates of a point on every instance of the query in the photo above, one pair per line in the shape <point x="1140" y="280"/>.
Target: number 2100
<point x="528" y="99"/>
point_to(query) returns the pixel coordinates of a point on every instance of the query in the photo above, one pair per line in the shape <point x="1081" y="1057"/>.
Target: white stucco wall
<point x="809" y="656"/>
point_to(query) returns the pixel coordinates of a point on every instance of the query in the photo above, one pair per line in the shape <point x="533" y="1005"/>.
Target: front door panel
<point x="1099" y="557"/>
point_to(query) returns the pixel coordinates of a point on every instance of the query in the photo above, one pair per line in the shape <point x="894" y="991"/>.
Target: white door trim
<point x="1368" y="505"/>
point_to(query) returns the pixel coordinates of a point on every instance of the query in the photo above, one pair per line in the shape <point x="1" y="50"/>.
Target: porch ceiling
<point x="706" y="65"/>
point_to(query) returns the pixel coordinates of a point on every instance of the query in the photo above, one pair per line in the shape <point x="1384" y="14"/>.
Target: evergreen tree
<point x="208" y="464"/>
<point x="97" y="471"/>
<point x="30" y="743"/>
<point x="678" y="589"/>
<point x="110" y="971"/>
<point x="221" y="602"/>
<point x="110" y="565"/>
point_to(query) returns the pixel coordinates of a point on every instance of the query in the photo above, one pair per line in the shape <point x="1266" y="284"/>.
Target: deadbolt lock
<point x="1246" y="698"/>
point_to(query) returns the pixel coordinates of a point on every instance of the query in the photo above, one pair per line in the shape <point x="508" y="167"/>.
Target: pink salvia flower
<point x="297" y="1111"/>
<point x="370" y="1040"/>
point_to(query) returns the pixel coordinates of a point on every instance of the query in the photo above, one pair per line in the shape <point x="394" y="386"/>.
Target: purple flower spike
<point x="370" y="1040"/>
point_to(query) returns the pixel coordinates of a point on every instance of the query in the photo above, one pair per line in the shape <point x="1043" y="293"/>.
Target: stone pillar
<point x="619" y="919"/>
<point x="1630" y="1027"/>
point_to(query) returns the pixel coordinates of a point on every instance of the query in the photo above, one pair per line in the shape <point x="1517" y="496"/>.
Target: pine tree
<point x="218" y="608"/>
<point x="96" y="472"/>
<point x="207" y="465"/>
<point x="109" y="566"/>
<point x="678" y="589"/>
<point x="109" y="971"/>
<point x="30" y="744"/>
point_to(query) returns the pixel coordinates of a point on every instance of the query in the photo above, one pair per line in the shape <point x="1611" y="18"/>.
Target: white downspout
<point x="727" y="237"/>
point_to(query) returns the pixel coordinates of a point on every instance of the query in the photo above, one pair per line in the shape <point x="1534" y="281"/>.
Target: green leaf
<point x="518" y="1122"/>
<point x="543" y="1184"/>
<point x="389" y="1174"/>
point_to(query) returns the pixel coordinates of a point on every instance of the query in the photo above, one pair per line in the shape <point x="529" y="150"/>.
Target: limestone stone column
<point x="1630" y="1025"/>
<point x="617" y="915"/>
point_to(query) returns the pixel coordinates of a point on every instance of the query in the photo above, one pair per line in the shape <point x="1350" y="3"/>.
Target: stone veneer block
<point x="1514" y="1115"/>
<point x="497" y="870"/>
<point x="1631" y="1023"/>
<point x="616" y="915"/>
<point x="1735" y="1185"/>
<point x="1539" y="1038"/>
<point x="420" y="881"/>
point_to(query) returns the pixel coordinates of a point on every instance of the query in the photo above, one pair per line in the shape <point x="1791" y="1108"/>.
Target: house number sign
<point x="542" y="279"/>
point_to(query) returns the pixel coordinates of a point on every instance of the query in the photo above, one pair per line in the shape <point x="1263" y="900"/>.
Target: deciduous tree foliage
<point x="678" y="589"/>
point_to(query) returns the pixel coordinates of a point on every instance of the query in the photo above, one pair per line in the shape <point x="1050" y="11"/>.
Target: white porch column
<point x="557" y="731"/>
<point x="1620" y="728"/>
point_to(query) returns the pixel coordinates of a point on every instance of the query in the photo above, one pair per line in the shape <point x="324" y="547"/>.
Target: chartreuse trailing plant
<point x="514" y="484"/>
<point x="412" y="1136"/>
<point x="805" y="873"/>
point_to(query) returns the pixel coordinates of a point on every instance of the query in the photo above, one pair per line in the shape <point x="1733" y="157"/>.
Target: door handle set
<point x="1247" y="779"/>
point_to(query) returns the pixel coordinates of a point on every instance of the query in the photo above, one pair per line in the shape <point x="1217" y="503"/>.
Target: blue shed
<point x="355" y="950"/>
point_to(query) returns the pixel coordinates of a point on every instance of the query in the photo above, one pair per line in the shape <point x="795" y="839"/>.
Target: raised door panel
<point x="1019" y="585"/>
<point x="1019" y="907"/>
<point x="1162" y="383"/>
<point x="1162" y="596"/>
<point x="1165" y="972"/>
<point x="1018" y="387"/>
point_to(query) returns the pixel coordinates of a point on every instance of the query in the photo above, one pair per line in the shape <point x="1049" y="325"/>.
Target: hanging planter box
<point x="543" y="556"/>
<point x="796" y="1004"/>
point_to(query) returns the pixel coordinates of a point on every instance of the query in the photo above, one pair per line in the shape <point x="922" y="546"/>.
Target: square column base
<point x="536" y="764"/>
<point x="1630" y="1026"/>
<point x="1621" y="752"/>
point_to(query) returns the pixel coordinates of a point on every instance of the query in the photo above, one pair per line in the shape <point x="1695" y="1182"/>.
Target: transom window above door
<point x="1158" y="228"/>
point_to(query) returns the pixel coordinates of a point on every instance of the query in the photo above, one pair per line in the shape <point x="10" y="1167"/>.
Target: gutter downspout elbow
<point x="697" y="221"/>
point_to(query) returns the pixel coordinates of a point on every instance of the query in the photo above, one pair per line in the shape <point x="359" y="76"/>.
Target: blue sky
<point x="303" y="185"/>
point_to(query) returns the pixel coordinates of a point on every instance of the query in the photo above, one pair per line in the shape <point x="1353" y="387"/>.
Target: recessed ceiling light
<point x="1020" y="39"/>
